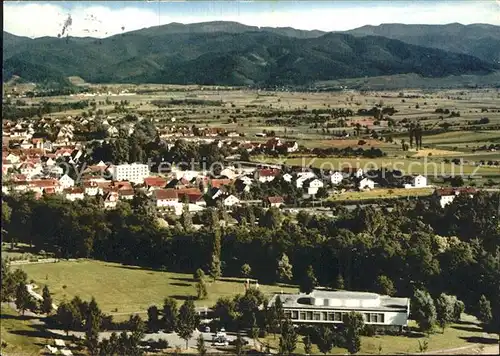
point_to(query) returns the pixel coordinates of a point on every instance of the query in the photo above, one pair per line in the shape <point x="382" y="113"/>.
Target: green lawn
<point x="127" y="289"/>
<point x="20" y="336"/>
<point x="466" y="333"/>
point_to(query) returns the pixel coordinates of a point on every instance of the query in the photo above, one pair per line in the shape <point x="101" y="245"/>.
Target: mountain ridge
<point x="230" y="53"/>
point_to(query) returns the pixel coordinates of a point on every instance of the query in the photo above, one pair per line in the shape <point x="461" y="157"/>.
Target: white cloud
<point x="36" y="20"/>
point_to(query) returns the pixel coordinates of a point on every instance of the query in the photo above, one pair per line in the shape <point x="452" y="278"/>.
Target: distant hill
<point x="479" y="40"/>
<point x="228" y="27"/>
<point x="228" y="53"/>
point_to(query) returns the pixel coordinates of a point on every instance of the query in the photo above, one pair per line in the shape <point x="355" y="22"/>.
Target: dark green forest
<point x="455" y="250"/>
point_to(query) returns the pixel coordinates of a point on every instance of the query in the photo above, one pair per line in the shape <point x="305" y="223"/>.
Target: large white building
<point x="329" y="307"/>
<point x="135" y="172"/>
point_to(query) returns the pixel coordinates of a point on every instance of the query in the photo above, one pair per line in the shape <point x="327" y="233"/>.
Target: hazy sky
<point x="106" y="18"/>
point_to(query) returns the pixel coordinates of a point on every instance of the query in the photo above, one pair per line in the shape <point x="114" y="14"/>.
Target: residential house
<point x="353" y="172"/>
<point x="91" y="188"/>
<point x="275" y="202"/>
<point x="153" y="183"/>
<point x="313" y="185"/>
<point x="30" y="169"/>
<point x="244" y="183"/>
<point x="164" y="198"/>
<point x="446" y="196"/>
<point x="291" y="146"/>
<point x="126" y="194"/>
<point x="267" y="174"/>
<point x="56" y="171"/>
<point x="230" y="201"/>
<point x="66" y="181"/>
<point x="110" y="200"/>
<point x="191" y="195"/>
<point x="420" y="181"/>
<point x="366" y="183"/>
<point x="336" y="178"/>
<point x="287" y="177"/>
<point x="74" y="193"/>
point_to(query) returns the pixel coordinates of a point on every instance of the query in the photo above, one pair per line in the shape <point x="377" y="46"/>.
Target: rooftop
<point x="342" y="300"/>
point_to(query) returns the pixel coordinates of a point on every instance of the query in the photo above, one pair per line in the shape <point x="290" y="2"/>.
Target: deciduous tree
<point x="187" y="321"/>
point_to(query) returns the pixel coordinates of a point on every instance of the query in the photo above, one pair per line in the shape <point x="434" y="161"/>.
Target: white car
<point x="220" y="342"/>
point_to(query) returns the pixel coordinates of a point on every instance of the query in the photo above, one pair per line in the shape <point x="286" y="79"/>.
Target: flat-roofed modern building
<point x="329" y="307"/>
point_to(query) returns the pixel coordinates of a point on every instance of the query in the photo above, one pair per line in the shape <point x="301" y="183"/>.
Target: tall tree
<point x="92" y="327"/>
<point x="187" y="321"/>
<point x="23" y="298"/>
<point x="64" y="316"/>
<point x="308" y="281"/>
<point x="137" y="326"/>
<point x="272" y="219"/>
<point x="385" y="286"/>
<point x="201" y="289"/>
<point x="200" y="345"/>
<point x="198" y="275"/>
<point x="215" y="267"/>
<point x="284" y="270"/>
<point x="47" y="301"/>
<point x="153" y="319"/>
<point x="254" y="330"/>
<point x="445" y="310"/>
<point x="246" y="270"/>
<point x="225" y="311"/>
<point x="423" y="310"/>
<point x="324" y="339"/>
<point x="485" y="315"/>
<point x="170" y="314"/>
<point x="307" y="344"/>
<point x="238" y="344"/>
<point x="354" y="324"/>
<point x="280" y="313"/>
<point x="288" y="339"/>
<point x="215" y="263"/>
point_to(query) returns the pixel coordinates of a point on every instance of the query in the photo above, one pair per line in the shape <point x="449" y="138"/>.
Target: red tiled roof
<point x="155" y="182"/>
<point x="217" y="183"/>
<point x="275" y="200"/>
<point x="90" y="184"/>
<point x="269" y="172"/>
<point x="122" y="185"/>
<point x="454" y="191"/>
<point x="49" y="190"/>
<point x="126" y="192"/>
<point x="73" y="190"/>
<point x="166" y="194"/>
<point x="44" y="183"/>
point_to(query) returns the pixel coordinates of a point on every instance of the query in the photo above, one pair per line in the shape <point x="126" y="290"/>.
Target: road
<point x="173" y="339"/>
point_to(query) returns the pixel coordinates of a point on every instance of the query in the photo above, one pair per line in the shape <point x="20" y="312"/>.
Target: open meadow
<point x="123" y="290"/>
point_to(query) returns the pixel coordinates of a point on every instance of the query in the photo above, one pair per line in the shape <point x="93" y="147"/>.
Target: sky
<point x="106" y="18"/>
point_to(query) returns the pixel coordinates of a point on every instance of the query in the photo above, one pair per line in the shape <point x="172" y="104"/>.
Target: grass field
<point x="18" y="333"/>
<point x="465" y="333"/>
<point x="382" y="194"/>
<point x="122" y="290"/>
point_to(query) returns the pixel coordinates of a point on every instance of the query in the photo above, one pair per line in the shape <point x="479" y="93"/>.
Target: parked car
<point x="220" y="342"/>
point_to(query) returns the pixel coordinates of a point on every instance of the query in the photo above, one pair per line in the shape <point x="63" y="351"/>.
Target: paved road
<point x="173" y="339"/>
